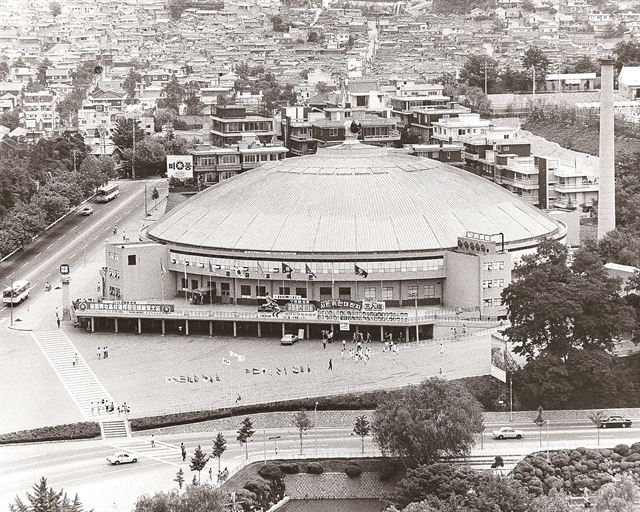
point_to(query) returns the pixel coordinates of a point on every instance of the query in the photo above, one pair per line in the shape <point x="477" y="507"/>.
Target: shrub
<point x="270" y="472"/>
<point x="622" y="449"/>
<point x="313" y="468"/>
<point x="353" y="469"/>
<point x="390" y="470"/>
<point x="289" y="468"/>
<point x="85" y="430"/>
<point x="635" y="447"/>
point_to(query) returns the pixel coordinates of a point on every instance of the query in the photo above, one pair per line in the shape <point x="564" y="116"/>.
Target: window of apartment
<point x="131" y="259"/>
<point x="412" y="291"/>
<point x="333" y="132"/>
<point x="370" y="293"/>
<point x="225" y="289"/>
<point x="245" y="290"/>
<point x="250" y="158"/>
<point x="284" y="290"/>
<point x="506" y="148"/>
<point x="488" y="303"/>
<point x="387" y="293"/>
<point x="498" y="283"/>
<point x="500" y="264"/>
<point x="183" y="283"/>
<point x="264" y="158"/>
<point x="429" y="291"/>
<point x="229" y="159"/>
<point x="261" y="291"/>
<point x="195" y="284"/>
<point x="302" y="292"/>
<point x="487" y="265"/>
<point x="344" y="292"/>
<point x="486" y="284"/>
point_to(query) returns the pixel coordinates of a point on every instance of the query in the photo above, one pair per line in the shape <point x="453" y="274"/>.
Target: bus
<point x="107" y="192"/>
<point x="19" y="295"/>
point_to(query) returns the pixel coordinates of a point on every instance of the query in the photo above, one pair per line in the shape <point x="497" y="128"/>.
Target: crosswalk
<point x="77" y="377"/>
<point x="141" y="447"/>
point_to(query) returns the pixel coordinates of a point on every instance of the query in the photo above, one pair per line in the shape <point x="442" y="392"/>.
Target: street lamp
<point x="315" y="426"/>
<point x="11" y="306"/>
<point x="275" y="443"/>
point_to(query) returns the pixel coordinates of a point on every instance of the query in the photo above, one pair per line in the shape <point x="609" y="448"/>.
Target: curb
<point x="23" y="329"/>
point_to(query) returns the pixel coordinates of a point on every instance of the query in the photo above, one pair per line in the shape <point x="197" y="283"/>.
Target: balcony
<point x="300" y="137"/>
<point x="392" y="135"/>
<point x="566" y="188"/>
<point x="470" y="156"/>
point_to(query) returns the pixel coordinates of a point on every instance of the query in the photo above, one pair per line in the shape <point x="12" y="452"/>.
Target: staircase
<point x="113" y="429"/>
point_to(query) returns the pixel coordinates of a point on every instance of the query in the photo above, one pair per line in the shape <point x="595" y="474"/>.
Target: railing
<point x="582" y="187"/>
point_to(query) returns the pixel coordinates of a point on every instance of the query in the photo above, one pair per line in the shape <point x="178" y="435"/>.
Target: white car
<point x="121" y="458"/>
<point x="289" y="339"/>
<point x="86" y="211"/>
<point x="507" y="433"/>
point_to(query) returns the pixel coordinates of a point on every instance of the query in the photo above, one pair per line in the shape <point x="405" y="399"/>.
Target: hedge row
<point x="574" y="470"/>
<point x="486" y="389"/>
<point x="86" y="430"/>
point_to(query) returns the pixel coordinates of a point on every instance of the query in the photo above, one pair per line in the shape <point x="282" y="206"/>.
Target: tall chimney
<point x="607" y="193"/>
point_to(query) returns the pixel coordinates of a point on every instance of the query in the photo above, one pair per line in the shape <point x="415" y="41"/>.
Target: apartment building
<point x="39" y="114"/>
<point x="229" y="124"/>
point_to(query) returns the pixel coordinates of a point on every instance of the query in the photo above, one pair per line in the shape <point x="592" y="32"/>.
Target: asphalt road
<point x="80" y="467"/>
<point x="70" y="241"/>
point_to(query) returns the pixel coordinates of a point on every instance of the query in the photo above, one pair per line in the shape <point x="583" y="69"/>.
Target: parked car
<point x="289" y="339"/>
<point x="121" y="458"/>
<point x="508" y="433"/>
<point x="86" y="211"/>
<point x="615" y="422"/>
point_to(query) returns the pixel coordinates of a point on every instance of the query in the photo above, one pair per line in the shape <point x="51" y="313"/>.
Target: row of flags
<point x="242" y="272"/>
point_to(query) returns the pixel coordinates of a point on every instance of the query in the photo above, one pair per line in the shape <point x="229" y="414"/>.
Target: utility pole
<point x="485" y="76"/>
<point x="74" y="161"/>
<point x="12" y="303"/>
<point x="146" y="214"/>
<point x="315" y="426"/>
<point x="534" y="81"/>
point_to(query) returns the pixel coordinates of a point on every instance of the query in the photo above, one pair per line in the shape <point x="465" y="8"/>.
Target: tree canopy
<point x="535" y="58"/>
<point x="434" y="418"/>
<point x="473" y="72"/>
<point x="45" y="499"/>
<point x="554" y="307"/>
<point x="201" y="497"/>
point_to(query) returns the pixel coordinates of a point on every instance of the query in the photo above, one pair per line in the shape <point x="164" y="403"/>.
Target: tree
<point x="130" y="84"/>
<point x="515" y="80"/>
<point x="179" y="478"/>
<point x="149" y="157"/>
<point x="43" y="499"/>
<point x="172" y="94"/>
<point x="93" y="172"/>
<point x="426" y="421"/>
<point x="10" y="119"/>
<point x="245" y="432"/>
<point x="123" y="133"/>
<point x="350" y="43"/>
<point x="627" y="53"/>
<point x="194" y="105"/>
<point x="313" y="37"/>
<point x="322" y="88"/>
<point x="176" y="8"/>
<point x="622" y="495"/>
<point x="585" y="65"/>
<point x="278" y="24"/>
<point x="362" y="428"/>
<point x="41" y="75"/>
<point x="203" y="498"/>
<point x="219" y="447"/>
<point x="198" y="461"/>
<point x="474" y="69"/>
<point x="164" y="117"/>
<point x="55" y="9"/>
<point x="4" y="70"/>
<point x="555" y="501"/>
<point x="498" y="26"/>
<point x="556" y="308"/>
<point x="535" y="58"/>
<point x="303" y="423"/>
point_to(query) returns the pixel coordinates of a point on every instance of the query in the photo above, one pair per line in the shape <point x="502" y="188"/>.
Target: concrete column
<point x="115" y="325"/>
<point x="186" y="327"/>
<point x="235" y="329"/>
<point x="210" y="327"/>
<point x="164" y="327"/>
<point x="139" y="325"/>
<point x="382" y="333"/>
<point x="93" y="324"/>
<point x="307" y="331"/>
<point x="259" y="330"/>
<point x="406" y="333"/>
<point x="606" y="194"/>
<point x="283" y="329"/>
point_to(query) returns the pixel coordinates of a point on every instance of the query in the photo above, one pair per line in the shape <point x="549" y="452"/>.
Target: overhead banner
<point x="180" y="166"/>
<point x="124" y="307"/>
<point x="340" y="304"/>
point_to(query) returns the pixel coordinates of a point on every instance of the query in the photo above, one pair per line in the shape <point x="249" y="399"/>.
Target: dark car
<point x="615" y="421"/>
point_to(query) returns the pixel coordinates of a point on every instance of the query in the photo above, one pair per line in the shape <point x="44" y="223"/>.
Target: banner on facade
<point x="341" y="304"/>
<point x="344" y="326"/>
<point x="373" y="305"/>
<point x="180" y="166"/>
<point x="125" y="307"/>
<point x="345" y="315"/>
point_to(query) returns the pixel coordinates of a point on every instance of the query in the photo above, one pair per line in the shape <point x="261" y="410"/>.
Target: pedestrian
<point x="153" y="441"/>
<point x="324" y="343"/>
<point x="124" y="236"/>
<point x="115" y="229"/>
<point x="105" y="351"/>
<point x="99" y="352"/>
<point x="464" y="329"/>
<point x="179" y="329"/>
<point x="368" y="337"/>
<point x="183" y="450"/>
<point x="440" y="371"/>
<point x="58" y="321"/>
<point x="330" y="364"/>
<point x="441" y="349"/>
<point x="210" y="473"/>
<point x="344" y="344"/>
<point x="75" y="359"/>
<point x="342" y="354"/>
<point x="93" y="409"/>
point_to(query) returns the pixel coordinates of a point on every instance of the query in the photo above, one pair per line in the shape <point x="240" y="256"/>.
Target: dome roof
<point x="351" y="198"/>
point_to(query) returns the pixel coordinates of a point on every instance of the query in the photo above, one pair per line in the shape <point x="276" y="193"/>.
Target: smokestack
<point x="606" y="196"/>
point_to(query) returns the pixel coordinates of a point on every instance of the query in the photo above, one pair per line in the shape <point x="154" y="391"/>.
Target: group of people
<point x="194" y="379"/>
<point x="103" y="352"/>
<point x="108" y="407"/>
<point x="359" y="354"/>
<point x="454" y="331"/>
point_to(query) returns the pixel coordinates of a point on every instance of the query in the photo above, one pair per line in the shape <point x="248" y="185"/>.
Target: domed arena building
<point x="355" y="237"/>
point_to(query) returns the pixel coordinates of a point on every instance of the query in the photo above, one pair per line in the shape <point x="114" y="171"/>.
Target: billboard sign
<point x="180" y="166"/>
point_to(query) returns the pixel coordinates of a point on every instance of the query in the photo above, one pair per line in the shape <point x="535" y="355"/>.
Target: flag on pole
<point x="312" y="275"/>
<point x="238" y="272"/>
<point x="260" y="271"/>
<point x="286" y="269"/>
<point x="360" y="271"/>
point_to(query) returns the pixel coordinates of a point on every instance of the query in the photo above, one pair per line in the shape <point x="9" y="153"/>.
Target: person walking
<point x="330" y="364"/>
<point x="93" y="409"/>
<point x="441" y="349"/>
<point x="183" y="451"/>
<point x="75" y="359"/>
<point x="99" y="352"/>
<point x="105" y="352"/>
<point x="115" y="229"/>
<point x="58" y="321"/>
<point x="324" y="343"/>
<point x="153" y="441"/>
